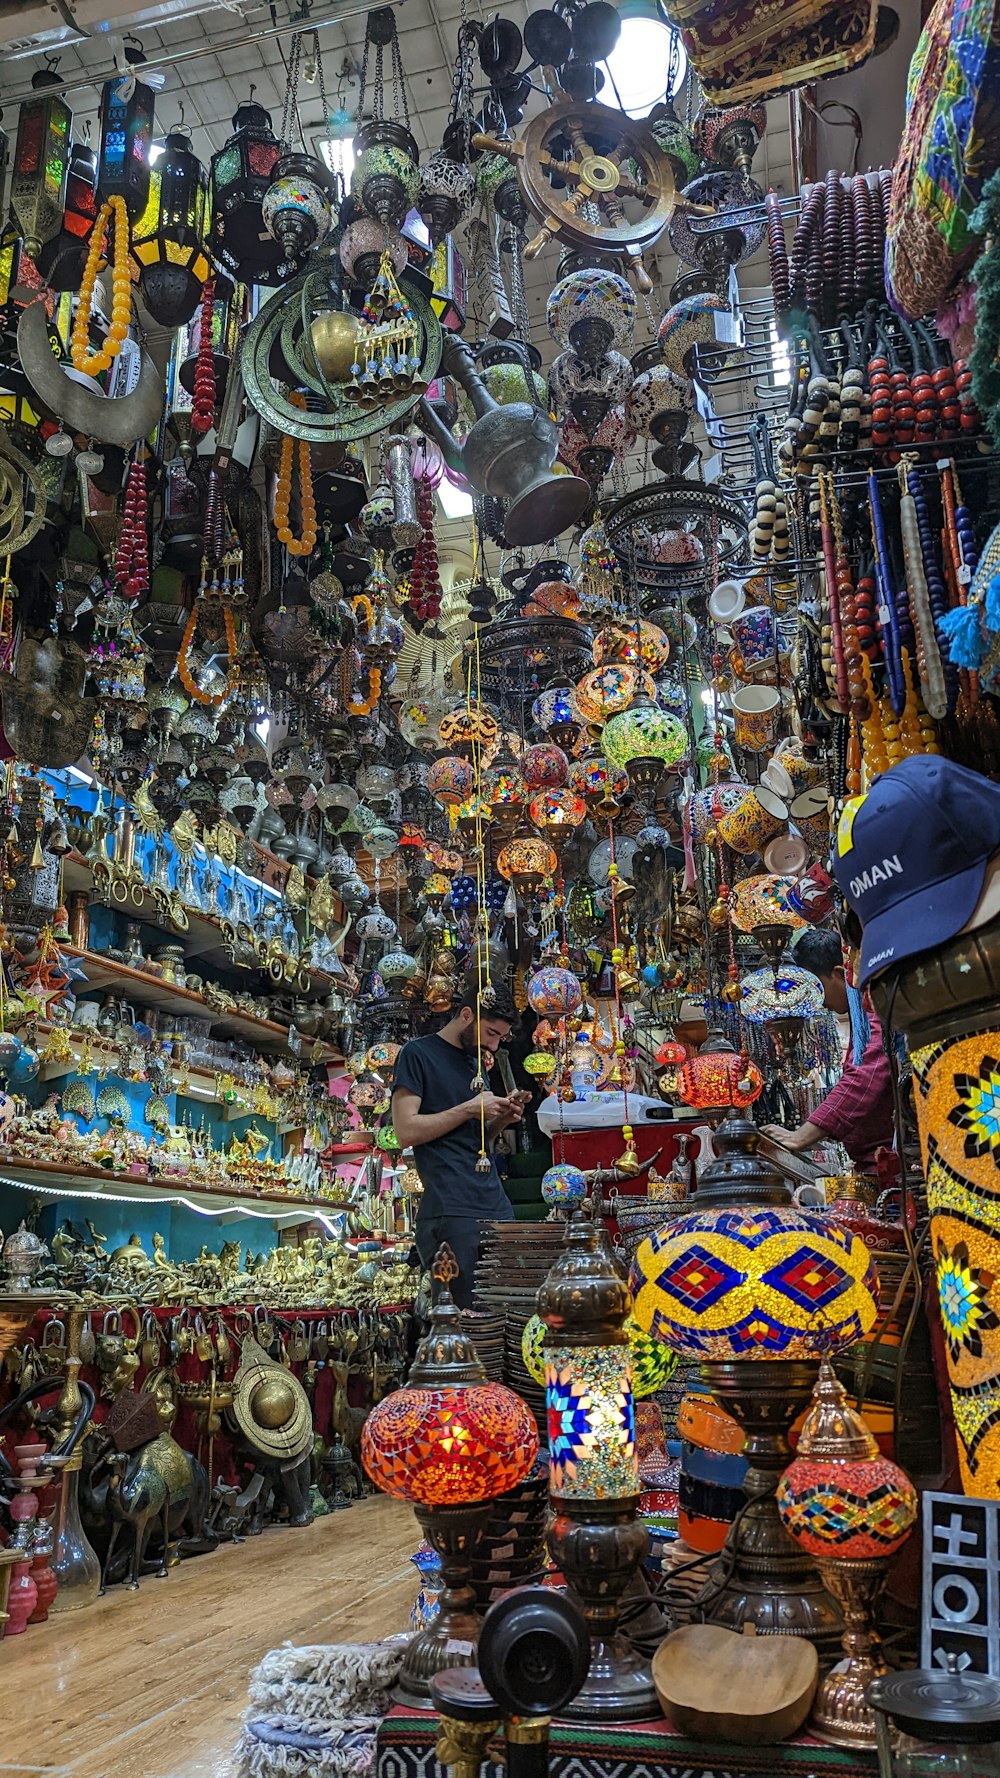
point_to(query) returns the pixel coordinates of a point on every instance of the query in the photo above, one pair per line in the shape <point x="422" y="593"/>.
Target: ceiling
<point x="204" y="90"/>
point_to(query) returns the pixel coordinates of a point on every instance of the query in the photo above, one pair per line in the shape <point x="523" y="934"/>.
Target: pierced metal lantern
<point x="123" y="169"/>
<point x="41" y="164"/>
<point x="62" y="259"/>
<point x="239" y="176"/>
<point x="169" y="238"/>
<point x="446" y="194"/>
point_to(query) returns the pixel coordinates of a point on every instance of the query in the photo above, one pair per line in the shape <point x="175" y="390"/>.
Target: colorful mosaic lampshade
<point x="735" y="1283"/>
<point x="644" y="732"/>
<point x="851" y="1510"/>
<point x="470" y="730"/>
<point x="639" y="644"/>
<point x="718" y="1077"/>
<point x="239" y="176"/>
<point x="762" y="901"/>
<point x="556" y="811"/>
<point x="450" y="781"/>
<point x="526" y="863"/>
<point x="596" y="1539"/>
<point x="791" y="993"/>
<point x="563" y="1184"/>
<point x="595" y="778"/>
<point x="653" y="1363"/>
<point x="544" y="767"/>
<point x="168" y="239"/>
<point x="601" y="693"/>
<point x="449" y="1443"/>
<point x="554" y="711"/>
<point x="554" y="993"/>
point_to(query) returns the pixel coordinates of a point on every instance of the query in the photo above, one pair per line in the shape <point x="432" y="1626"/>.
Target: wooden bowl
<point x="766" y="1684"/>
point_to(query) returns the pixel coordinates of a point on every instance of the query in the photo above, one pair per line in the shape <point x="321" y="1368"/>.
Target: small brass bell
<point x="718" y="916"/>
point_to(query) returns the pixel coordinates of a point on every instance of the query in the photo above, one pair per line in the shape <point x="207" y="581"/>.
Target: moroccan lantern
<point x="555" y="811"/>
<point x="169" y="238"/>
<point x="554" y="710"/>
<point x="296" y="207"/>
<point x="645" y="741"/>
<point x="450" y="781"/>
<point x="239" y="176"/>
<point x="448" y="286"/>
<point x="717" y="1077"/>
<point x="544" y="767"/>
<point x="41" y="165"/>
<point x="62" y="259"/>
<point x="554" y="993"/>
<point x="449" y="1443"/>
<point x="525" y="863"/>
<point x="851" y="1509"/>
<point x="123" y="169"/>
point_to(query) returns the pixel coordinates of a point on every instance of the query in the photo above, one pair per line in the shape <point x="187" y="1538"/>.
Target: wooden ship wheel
<point x="593" y="177"/>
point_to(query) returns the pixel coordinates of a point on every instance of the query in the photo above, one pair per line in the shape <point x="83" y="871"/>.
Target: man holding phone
<point x="439" y="1113"/>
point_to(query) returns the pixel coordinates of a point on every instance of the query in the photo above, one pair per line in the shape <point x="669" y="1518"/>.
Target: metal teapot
<point x="509" y="454"/>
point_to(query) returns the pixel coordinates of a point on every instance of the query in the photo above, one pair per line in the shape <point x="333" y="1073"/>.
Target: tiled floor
<point x="152" y="1684"/>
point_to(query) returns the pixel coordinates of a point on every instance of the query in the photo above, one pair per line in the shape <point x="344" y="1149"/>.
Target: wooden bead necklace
<point x="92" y="363"/>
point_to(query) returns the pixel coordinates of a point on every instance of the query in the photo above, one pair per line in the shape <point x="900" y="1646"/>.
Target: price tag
<point x="964" y="575"/>
<point x="883" y="614"/>
<point x="455" y="1646"/>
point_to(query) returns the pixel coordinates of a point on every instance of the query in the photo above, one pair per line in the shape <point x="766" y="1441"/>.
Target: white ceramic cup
<point x="726" y="602"/>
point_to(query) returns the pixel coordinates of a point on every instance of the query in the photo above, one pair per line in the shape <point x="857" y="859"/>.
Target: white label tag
<point x="455" y="1646"/>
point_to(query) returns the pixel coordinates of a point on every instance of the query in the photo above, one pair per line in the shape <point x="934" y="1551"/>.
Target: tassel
<point x="861" y="1031"/>
<point x="991" y="606"/>
<point x="961" y="626"/>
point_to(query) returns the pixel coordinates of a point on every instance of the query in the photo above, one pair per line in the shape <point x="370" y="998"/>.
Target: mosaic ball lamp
<point x="450" y="781"/>
<point x="596" y="1539"/>
<point x="555" y="811"/>
<point x="645" y="741"/>
<point x="543" y="767"/>
<point x="554" y="710"/>
<point x="563" y="1184"/>
<point x="555" y="993"/>
<point x="590" y="311"/>
<point x="607" y="690"/>
<point x="734" y="1282"/>
<point x="526" y="863"/>
<point x="449" y="1443"/>
<point x="851" y="1509"/>
<point x="595" y="779"/>
<point x="641" y="644"/>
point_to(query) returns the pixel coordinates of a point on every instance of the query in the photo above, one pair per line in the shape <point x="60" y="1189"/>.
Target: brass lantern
<point x="169" y="238"/>
<point x="41" y="162"/>
<point x="61" y="260"/>
<point x="240" y="175"/>
<point x="123" y="168"/>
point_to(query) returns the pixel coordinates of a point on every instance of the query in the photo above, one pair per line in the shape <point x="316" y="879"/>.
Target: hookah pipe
<point x="534" y="1655"/>
<point x="48" y="1386"/>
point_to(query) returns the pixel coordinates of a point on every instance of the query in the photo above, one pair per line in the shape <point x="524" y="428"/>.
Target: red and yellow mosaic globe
<point x="450" y="1446"/>
<point x="450" y="780"/>
<point x="762" y="1283"/>
<point x="543" y="767"/>
<point x="855" y="1509"/>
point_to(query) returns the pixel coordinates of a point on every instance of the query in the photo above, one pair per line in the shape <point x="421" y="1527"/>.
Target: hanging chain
<point x="291" y="89"/>
<point x="324" y="101"/>
<point x="400" y="102"/>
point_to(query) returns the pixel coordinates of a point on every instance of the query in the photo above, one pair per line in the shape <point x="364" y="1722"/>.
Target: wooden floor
<point x="152" y="1684"/>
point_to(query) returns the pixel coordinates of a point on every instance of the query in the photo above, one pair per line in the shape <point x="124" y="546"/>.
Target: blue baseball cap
<point x="911" y="857"/>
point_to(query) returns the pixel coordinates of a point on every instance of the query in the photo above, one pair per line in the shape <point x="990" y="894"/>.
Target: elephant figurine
<point x="287" y="1491"/>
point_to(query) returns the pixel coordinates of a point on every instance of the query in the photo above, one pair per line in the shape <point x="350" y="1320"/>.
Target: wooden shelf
<point x="143" y="989"/>
<point x="95" y="1181"/>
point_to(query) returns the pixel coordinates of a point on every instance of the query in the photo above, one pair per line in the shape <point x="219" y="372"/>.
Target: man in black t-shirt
<point x="438" y="1113"/>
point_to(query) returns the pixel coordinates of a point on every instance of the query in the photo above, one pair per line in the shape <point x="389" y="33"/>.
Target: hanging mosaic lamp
<point x="239" y="176"/>
<point x="543" y="767"/>
<point x="525" y="863"/>
<point x="646" y="741"/>
<point x="596" y="1540"/>
<point x="641" y="644"/>
<point x="554" y="710"/>
<point x="40" y="167"/>
<point x="606" y="690"/>
<point x="446" y="194"/>
<point x="717" y="1077"/>
<point x="556" y="811"/>
<point x="562" y="1184"/>
<point x="62" y="259"/>
<point x="851" y="1509"/>
<point x="450" y="781"/>
<point x="590" y="311"/>
<point x="601" y="784"/>
<point x="296" y="208"/>
<point x="554" y="993"/>
<point x="169" y="238"/>
<point x="449" y="1443"/>
<point x="123" y="169"/>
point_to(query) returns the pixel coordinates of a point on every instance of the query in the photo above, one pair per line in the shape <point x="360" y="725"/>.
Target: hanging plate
<point x="278" y="357"/>
<point x="113" y="419"/>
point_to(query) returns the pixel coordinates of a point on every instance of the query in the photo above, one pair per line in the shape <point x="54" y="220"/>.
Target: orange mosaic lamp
<point x="718" y="1077"/>
<point x="449" y="1443"/>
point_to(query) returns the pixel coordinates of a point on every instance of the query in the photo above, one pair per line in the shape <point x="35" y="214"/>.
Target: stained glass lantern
<point x="555" y="811"/>
<point x="595" y="779"/>
<point x="694" y="322"/>
<point x="851" y="1509"/>
<point x="588" y="389"/>
<point x="123" y="169"/>
<point x="169" y="238"/>
<point x="525" y="863"/>
<point x="40" y="168"/>
<point x="705" y="807"/>
<point x="736" y="1282"/>
<point x="653" y="1363"/>
<point x="62" y="259"/>
<point x="563" y="1184"/>
<point x="543" y="767"/>
<point x="503" y="787"/>
<point x="449" y="1443"/>
<point x="555" y="711"/>
<point x="450" y="781"/>
<point x="446" y="194"/>
<point x="239" y="176"/>
<point x="554" y="993"/>
<point x="606" y="690"/>
<point x="717" y="1077"/>
<point x="590" y="311"/>
<point x="471" y="815"/>
<point x="296" y="207"/>
<point x="645" y="741"/>
<point x="659" y="401"/>
<point x="596" y="1539"/>
<point x="641" y="644"/>
<point x="448" y="285"/>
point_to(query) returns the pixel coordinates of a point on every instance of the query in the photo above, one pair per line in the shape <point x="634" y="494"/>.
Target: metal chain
<point x="321" y="78"/>
<point x="291" y="89"/>
<point x="401" y="104"/>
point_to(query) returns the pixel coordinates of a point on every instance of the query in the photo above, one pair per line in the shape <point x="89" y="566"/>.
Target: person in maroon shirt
<point x="859" y="1110"/>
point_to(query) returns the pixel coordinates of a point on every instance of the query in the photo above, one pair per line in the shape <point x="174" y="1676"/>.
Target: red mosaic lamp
<point x="449" y="1443"/>
<point x="851" y="1509"/>
<point x="719" y="1078"/>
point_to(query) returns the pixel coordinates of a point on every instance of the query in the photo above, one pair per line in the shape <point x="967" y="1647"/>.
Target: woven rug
<point x="640" y="1750"/>
<point x="314" y="1711"/>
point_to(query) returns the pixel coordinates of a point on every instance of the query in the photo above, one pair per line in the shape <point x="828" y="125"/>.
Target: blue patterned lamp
<point x="596" y="1539"/>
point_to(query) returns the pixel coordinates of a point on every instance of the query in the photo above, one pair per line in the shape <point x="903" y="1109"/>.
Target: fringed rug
<point x="314" y="1712"/>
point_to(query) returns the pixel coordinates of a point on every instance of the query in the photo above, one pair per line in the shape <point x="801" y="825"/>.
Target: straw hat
<point x="270" y="1405"/>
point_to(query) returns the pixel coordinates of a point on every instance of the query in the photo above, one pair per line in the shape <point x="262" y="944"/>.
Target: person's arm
<point x="415" y="1127"/>
<point x="806" y="1136"/>
<point x="850" y="1105"/>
